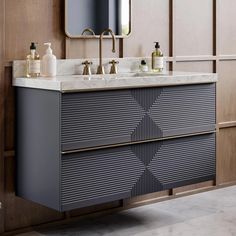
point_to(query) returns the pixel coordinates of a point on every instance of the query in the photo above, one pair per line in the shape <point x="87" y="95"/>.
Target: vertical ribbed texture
<point x="146" y="97"/>
<point x="146" y="129"/>
<point x="146" y="184"/>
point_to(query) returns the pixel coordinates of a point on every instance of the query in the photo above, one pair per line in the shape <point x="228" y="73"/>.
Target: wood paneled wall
<point x="2" y="38"/>
<point x="196" y="35"/>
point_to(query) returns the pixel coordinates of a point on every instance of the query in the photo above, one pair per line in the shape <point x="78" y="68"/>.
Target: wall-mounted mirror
<point x="97" y="15"/>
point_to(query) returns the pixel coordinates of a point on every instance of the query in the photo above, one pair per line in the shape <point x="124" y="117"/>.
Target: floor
<point x="205" y="214"/>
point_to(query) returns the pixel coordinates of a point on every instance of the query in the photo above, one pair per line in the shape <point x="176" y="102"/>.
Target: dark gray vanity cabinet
<point x="85" y="148"/>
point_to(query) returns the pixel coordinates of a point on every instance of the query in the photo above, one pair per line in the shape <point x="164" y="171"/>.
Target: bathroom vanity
<point x="83" y="140"/>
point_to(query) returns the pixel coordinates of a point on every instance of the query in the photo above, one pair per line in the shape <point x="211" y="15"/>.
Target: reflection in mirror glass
<point x="97" y="15"/>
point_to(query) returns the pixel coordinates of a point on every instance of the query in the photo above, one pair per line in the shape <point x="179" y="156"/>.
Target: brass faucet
<point x="100" y="69"/>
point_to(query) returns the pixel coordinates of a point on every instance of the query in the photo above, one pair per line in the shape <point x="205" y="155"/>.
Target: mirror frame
<point x="95" y="36"/>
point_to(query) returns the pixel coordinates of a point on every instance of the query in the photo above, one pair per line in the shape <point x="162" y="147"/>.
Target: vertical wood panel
<point x="226" y="91"/>
<point x="172" y="34"/>
<point x="9" y="108"/>
<point x="194" y="27"/>
<point x="150" y="23"/>
<point x="26" y="21"/>
<point x="39" y="21"/>
<point x="89" y="48"/>
<point x="2" y="33"/>
<point x="227" y="27"/>
<point x="196" y="66"/>
<point x="226" y="161"/>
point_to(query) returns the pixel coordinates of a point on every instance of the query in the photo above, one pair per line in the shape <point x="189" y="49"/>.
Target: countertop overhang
<point x="70" y="83"/>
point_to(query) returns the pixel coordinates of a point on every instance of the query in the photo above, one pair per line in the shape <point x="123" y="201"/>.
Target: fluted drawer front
<point x="95" y="177"/>
<point x="114" y="173"/>
<point x="174" y="163"/>
<point x="185" y="109"/>
<point x="184" y="161"/>
<point x="109" y="117"/>
<point x="98" y="118"/>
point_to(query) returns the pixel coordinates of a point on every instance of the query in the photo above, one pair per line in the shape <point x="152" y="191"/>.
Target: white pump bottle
<point x="49" y="63"/>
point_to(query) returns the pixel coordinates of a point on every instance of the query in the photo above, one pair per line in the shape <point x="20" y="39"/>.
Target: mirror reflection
<point x="97" y="15"/>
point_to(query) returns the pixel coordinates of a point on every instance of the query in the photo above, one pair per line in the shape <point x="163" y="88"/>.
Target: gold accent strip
<point x="133" y="143"/>
<point x="227" y="124"/>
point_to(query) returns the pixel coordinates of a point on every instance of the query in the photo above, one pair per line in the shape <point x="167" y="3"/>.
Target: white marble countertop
<point x="69" y="83"/>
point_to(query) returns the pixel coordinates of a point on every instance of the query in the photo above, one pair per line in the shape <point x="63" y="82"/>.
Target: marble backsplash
<point x="75" y="67"/>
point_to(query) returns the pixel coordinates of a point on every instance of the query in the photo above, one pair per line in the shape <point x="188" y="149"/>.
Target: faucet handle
<point x="87" y="70"/>
<point x="87" y="62"/>
<point x="113" y="66"/>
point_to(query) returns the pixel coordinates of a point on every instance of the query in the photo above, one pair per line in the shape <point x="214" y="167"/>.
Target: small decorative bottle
<point x="143" y="66"/>
<point x="157" y="59"/>
<point x="33" y="62"/>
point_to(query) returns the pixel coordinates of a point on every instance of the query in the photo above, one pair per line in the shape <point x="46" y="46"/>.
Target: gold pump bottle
<point x="157" y="59"/>
<point x="33" y="62"/>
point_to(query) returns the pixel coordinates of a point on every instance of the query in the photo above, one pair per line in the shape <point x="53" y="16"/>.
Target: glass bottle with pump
<point x="157" y="59"/>
<point x="33" y="62"/>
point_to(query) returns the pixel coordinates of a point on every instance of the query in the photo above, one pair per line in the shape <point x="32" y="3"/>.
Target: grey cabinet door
<point x="93" y="119"/>
<point x="93" y="177"/>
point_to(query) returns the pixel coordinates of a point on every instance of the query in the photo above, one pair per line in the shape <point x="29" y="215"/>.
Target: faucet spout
<point x="100" y="67"/>
<point x="88" y="30"/>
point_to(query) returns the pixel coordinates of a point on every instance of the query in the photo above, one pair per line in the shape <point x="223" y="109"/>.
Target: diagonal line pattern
<point x="146" y="97"/>
<point x="147" y="183"/>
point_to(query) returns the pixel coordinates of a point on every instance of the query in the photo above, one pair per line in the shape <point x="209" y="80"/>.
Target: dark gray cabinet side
<point x="38" y="146"/>
<point x="109" y="117"/>
<point x="93" y="177"/>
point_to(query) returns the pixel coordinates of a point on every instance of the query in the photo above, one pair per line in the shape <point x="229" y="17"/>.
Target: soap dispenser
<point x="157" y="59"/>
<point x="33" y="62"/>
<point x="49" y="63"/>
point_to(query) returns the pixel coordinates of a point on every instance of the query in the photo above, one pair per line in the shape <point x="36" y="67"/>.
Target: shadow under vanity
<point x="83" y="141"/>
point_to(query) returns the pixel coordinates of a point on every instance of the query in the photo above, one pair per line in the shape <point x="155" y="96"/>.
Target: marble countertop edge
<point x="69" y="83"/>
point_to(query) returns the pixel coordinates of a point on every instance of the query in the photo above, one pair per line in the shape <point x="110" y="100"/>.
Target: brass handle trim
<point x="87" y="63"/>
<point x="113" y="62"/>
